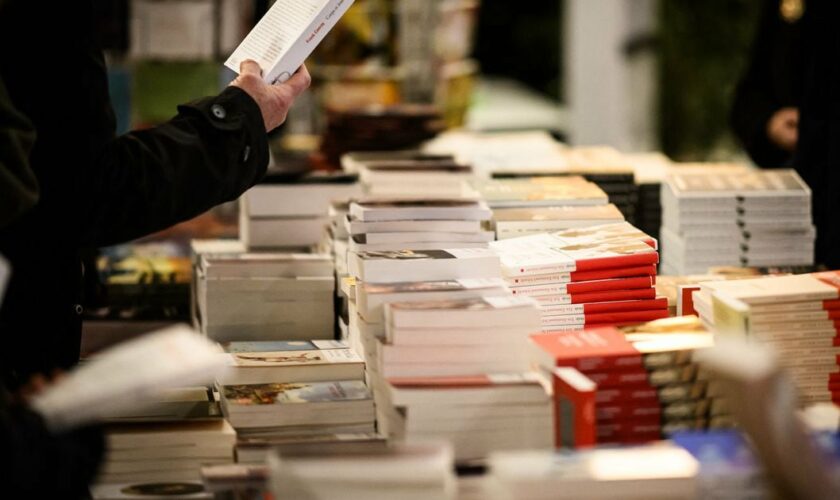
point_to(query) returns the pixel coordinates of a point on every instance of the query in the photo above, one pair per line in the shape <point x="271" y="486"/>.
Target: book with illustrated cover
<point x="498" y="312"/>
<point x="282" y="345"/>
<point x="515" y="222"/>
<point x="287" y="34"/>
<point x="566" y="191"/>
<point x="424" y="265"/>
<point x="293" y="366"/>
<point x="259" y="396"/>
<point x="598" y="247"/>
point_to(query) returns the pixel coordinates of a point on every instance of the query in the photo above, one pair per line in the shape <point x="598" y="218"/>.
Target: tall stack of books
<point x="164" y="452"/>
<point x="265" y="296"/>
<point x="386" y="225"/>
<point x="796" y="315"/>
<point x="638" y="389"/>
<point x="595" y="276"/>
<point x="756" y="219"/>
<point x="654" y="471"/>
<point x="408" y="173"/>
<point x="291" y="212"/>
<point x="419" y="471"/>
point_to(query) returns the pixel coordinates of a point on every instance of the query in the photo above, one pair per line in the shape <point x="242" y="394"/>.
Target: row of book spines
<point x="623" y="363"/>
<point x="583" y="276"/>
<point x="584" y="286"/>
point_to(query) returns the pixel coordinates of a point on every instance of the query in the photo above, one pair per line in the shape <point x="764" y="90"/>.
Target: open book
<point x="286" y="35"/>
<point x="125" y="378"/>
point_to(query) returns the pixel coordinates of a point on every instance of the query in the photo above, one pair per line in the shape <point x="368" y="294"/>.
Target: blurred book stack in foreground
<point x="265" y="296"/>
<point x="408" y="472"/>
<point x="640" y="388"/>
<point x="796" y="315"/>
<point x="756" y="219"/>
<point x="595" y="276"/>
<point x="291" y="211"/>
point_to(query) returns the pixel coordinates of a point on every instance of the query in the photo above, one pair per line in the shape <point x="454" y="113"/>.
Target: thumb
<point x="250" y="67"/>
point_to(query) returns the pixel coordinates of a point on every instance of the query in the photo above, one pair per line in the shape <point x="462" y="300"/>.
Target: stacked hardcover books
<point x="265" y="296"/>
<point x="757" y="218"/>
<point x="624" y="389"/>
<point x="409" y="173"/>
<point x="165" y="452"/>
<point x="420" y="471"/>
<point x="595" y="276"/>
<point x="291" y="212"/>
<point x="796" y="315"/>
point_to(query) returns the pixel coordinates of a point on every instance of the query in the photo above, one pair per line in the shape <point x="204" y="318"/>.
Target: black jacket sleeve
<point x="18" y="186"/>
<point x="144" y="181"/>
<point x="39" y="464"/>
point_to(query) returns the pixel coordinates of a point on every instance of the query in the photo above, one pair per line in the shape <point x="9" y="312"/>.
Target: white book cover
<point x="126" y="377"/>
<point x="394" y="209"/>
<point x="287" y="34"/>
<point x="353" y="226"/>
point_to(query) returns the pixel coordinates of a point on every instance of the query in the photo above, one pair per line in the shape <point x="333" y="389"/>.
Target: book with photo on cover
<point x="424" y="265"/>
<point x="287" y="34"/>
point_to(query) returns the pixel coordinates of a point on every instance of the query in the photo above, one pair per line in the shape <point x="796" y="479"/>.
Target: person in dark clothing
<point x="818" y="153"/>
<point x="98" y="189"/>
<point x="35" y="462"/>
<point x="765" y="112"/>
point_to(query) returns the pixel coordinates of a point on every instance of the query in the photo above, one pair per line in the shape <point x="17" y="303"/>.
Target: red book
<point x="577" y="276"/>
<point x="685" y="300"/>
<point x="605" y="307"/>
<point x="637" y="395"/>
<point x="620" y="317"/>
<point x="574" y="409"/>
<point x="590" y="350"/>
<point x="583" y="287"/>
<point x="606" y="296"/>
<point x="621" y="429"/>
<point x="636" y="377"/>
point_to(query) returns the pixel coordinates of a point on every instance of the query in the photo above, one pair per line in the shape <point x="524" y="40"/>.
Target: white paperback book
<point x="124" y="378"/>
<point x="287" y="35"/>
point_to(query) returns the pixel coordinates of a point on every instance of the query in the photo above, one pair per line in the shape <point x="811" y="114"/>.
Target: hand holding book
<point x="274" y="100"/>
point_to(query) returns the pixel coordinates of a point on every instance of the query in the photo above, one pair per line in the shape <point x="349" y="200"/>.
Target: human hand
<point x="274" y="100"/>
<point x="38" y="384"/>
<point x="783" y="128"/>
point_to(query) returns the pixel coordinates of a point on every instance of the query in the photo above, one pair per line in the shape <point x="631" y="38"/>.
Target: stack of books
<point x="265" y="296"/>
<point x="291" y="212"/>
<point x="385" y="225"/>
<point x="514" y="222"/>
<point x="757" y="219"/>
<point x="409" y="173"/>
<point x="653" y="471"/>
<point x="299" y="409"/>
<point x="418" y="471"/>
<point x="595" y="276"/>
<point x="796" y="315"/>
<point x="165" y="452"/>
<point x="625" y="389"/>
<point x="457" y="370"/>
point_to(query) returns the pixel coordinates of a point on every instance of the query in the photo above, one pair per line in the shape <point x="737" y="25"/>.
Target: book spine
<point x="574" y="411"/>
<point x="624" y="272"/>
<point x="640" y="259"/>
<point x="608" y="296"/>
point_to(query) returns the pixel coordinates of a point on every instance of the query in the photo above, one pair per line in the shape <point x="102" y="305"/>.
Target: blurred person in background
<point x="765" y="113"/>
<point x="97" y="189"/>
<point x="818" y="150"/>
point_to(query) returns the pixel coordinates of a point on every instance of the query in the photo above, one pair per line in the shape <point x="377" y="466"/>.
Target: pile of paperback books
<point x="408" y="173"/>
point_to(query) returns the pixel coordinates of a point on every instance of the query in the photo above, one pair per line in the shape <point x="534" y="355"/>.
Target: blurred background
<point x="636" y="75"/>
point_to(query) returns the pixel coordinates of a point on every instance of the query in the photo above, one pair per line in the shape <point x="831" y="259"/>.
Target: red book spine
<point x="639" y="259"/>
<point x="627" y="396"/>
<point x="610" y="284"/>
<point x="626" y="305"/>
<point x="626" y="316"/>
<point x="831" y="304"/>
<point x="640" y="294"/>
<point x="574" y="409"/>
<point x="621" y="272"/>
